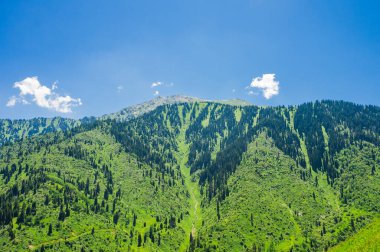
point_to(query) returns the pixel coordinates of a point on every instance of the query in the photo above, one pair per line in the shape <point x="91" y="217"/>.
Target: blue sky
<point x="108" y="53"/>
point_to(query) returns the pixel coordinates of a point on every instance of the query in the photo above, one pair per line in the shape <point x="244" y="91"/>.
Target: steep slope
<point x="367" y="239"/>
<point x="271" y="206"/>
<point x="196" y="176"/>
<point x="85" y="192"/>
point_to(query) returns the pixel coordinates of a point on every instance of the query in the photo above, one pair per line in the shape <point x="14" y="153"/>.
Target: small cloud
<point x="268" y="85"/>
<point x="159" y="83"/>
<point x="252" y="93"/>
<point x="233" y="90"/>
<point x="55" y="85"/>
<point x="119" y="88"/>
<point x="42" y="96"/>
<point x="156" y="84"/>
<point x="12" y="101"/>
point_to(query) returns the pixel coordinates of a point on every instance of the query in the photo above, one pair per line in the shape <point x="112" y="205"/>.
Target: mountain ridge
<point x="17" y="129"/>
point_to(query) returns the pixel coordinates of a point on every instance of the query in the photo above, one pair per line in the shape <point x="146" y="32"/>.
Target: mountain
<point x="198" y="176"/>
<point x="140" y="109"/>
<point x="15" y="130"/>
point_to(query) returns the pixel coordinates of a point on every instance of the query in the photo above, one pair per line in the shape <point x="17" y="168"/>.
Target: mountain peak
<point x="142" y="108"/>
<point x="145" y="107"/>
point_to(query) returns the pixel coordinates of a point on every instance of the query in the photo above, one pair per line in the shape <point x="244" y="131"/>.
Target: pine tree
<point x="151" y="235"/>
<point x="61" y="215"/>
<point x="139" y="240"/>
<point x="46" y="202"/>
<point x="87" y="188"/>
<point x="21" y="216"/>
<point x="116" y="217"/>
<point x="11" y="233"/>
<point x="134" y="219"/>
<point x="217" y="209"/>
<point x="67" y="212"/>
<point x="50" y="231"/>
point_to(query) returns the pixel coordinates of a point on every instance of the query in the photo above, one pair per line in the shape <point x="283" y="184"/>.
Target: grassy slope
<point x="284" y="212"/>
<point x="195" y="217"/>
<point x="255" y="190"/>
<point x="367" y="239"/>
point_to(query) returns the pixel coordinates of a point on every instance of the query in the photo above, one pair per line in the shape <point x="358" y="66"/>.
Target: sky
<point x="79" y="58"/>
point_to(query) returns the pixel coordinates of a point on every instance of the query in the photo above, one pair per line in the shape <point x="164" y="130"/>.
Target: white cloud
<point x="119" y="88"/>
<point x="12" y="101"/>
<point x="55" y="85"/>
<point x="160" y="83"/>
<point x="267" y="84"/>
<point x="233" y="90"/>
<point x="43" y="96"/>
<point x="250" y="92"/>
<point x="156" y="84"/>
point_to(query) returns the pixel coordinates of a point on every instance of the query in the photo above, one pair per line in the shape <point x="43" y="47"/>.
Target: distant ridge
<point x="13" y="130"/>
<point x="234" y="102"/>
<point x="18" y="129"/>
<point x="142" y="108"/>
<point x="145" y="107"/>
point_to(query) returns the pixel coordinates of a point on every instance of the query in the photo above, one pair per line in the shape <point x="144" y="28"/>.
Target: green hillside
<point x="367" y="239"/>
<point x="13" y="130"/>
<point x="198" y="176"/>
